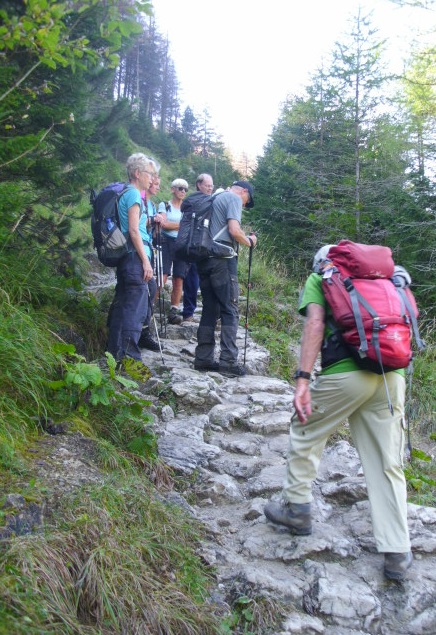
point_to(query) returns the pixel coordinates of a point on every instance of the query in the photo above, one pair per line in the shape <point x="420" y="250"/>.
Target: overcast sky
<point x="240" y="59"/>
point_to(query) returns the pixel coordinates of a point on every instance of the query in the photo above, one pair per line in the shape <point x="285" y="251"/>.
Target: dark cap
<point x="247" y="186"/>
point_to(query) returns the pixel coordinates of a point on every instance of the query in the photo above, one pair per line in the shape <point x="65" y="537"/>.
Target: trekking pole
<point x="161" y="283"/>
<point x="155" y="326"/>
<point x="407" y="410"/>
<point x="250" y="258"/>
<point x="159" y="270"/>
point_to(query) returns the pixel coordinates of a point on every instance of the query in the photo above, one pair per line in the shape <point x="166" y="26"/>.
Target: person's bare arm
<point x="237" y="233"/>
<point x="162" y="219"/>
<point x="135" y="236"/>
<point x="166" y="224"/>
<point x="311" y="343"/>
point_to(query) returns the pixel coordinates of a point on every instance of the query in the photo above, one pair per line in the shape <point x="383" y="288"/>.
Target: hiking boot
<point x="204" y="367"/>
<point x="235" y="370"/>
<point x="174" y="317"/>
<point x="146" y="341"/>
<point x="190" y="318"/>
<point x="396" y="565"/>
<point x="295" y="516"/>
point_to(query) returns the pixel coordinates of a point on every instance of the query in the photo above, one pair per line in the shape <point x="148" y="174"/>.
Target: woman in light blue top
<point x="131" y="304"/>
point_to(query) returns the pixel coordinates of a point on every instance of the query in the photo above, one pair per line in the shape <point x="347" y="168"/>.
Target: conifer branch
<point x="17" y="83"/>
<point x="23" y="154"/>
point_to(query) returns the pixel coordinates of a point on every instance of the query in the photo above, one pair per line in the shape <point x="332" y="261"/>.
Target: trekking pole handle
<point x="251" y="240"/>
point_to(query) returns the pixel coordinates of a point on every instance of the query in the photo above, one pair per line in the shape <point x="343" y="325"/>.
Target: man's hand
<point x="311" y="342"/>
<point x="238" y="234"/>
<point x="302" y="400"/>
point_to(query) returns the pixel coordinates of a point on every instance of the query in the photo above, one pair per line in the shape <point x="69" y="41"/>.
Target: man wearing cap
<point x="219" y="283"/>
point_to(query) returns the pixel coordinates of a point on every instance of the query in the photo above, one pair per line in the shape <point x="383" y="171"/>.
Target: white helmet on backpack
<point x="401" y="277"/>
<point x="319" y="257"/>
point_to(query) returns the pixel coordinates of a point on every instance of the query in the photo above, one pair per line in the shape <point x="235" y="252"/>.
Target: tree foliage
<point x="82" y="85"/>
<point x="339" y="164"/>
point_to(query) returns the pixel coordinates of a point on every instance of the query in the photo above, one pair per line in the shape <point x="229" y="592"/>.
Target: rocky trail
<point x="233" y="434"/>
<point x="229" y="438"/>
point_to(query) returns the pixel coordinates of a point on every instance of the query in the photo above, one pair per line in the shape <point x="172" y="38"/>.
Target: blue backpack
<point x="109" y="241"/>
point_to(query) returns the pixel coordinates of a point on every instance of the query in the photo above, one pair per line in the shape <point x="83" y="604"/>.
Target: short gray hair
<point x="201" y="177"/>
<point x="138" y="161"/>
<point x="180" y="183"/>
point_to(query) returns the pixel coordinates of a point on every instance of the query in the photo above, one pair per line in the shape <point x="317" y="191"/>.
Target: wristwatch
<point x="303" y="374"/>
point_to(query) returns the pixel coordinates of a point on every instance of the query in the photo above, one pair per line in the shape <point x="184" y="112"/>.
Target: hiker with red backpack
<point x="359" y="315"/>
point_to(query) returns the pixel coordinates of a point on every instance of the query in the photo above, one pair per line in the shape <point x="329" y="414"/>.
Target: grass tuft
<point x="119" y="561"/>
<point x="25" y="362"/>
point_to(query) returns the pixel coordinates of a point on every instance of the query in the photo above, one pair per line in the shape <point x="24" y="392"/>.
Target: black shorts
<point x="170" y="263"/>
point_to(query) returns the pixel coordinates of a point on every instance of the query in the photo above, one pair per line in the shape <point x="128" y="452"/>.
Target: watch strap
<point x="302" y="373"/>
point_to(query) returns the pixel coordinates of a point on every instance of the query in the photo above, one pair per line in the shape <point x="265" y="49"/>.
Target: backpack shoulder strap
<point x="126" y="188"/>
<point x="411" y="315"/>
<point x="356" y="299"/>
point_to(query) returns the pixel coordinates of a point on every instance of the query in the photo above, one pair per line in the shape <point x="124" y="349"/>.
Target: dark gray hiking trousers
<point x="220" y="294"/>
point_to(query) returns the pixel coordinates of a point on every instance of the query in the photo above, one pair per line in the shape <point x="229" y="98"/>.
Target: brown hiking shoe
<point x="295" y="516"/>
<point x="396" y="565"/>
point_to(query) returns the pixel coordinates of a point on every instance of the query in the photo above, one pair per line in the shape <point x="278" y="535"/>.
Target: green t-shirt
<point x="313" y="294"/>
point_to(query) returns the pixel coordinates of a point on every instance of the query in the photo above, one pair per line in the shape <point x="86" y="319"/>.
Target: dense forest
<point x="83" y="84"/>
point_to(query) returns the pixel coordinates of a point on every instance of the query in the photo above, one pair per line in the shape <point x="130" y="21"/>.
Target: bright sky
<point x="240" y="58"/>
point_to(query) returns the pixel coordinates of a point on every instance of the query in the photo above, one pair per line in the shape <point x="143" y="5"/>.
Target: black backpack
<point x="109" y="241"/>
<point x="194" y="241"/>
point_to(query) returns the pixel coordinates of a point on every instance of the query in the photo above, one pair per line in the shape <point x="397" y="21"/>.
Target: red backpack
<point x="371" y="305"/>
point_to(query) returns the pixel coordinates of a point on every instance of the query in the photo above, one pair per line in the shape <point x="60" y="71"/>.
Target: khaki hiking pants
<point x="360" y="397"/>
